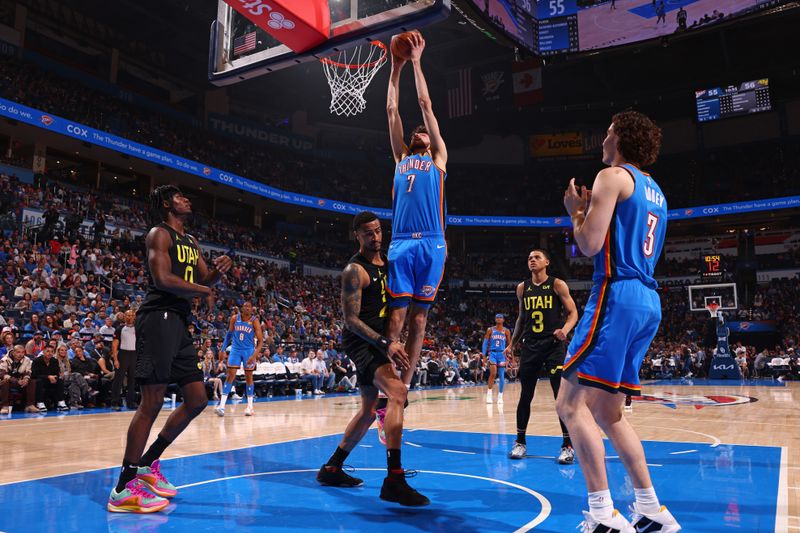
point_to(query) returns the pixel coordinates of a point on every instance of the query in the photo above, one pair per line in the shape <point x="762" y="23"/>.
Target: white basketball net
<point x="349" y="72"/>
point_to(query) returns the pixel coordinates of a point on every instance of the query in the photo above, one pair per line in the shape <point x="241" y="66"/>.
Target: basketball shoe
<point x="220" y="411"/>
<point x="518" y="451"/>
<point x="661" y="522"/>
<point x="248" y="411"/>
<point x="152" y="477"/>
<point x="396" y="489"/>
<point x="380" y="416"/>
<point x="489" y="396"/>
<point x="616" y="524"/>
<point x="567" y="456"/>
<point x="499" y="398"/>
<point x="335" y="476"/>
<point x="135" y="498"/>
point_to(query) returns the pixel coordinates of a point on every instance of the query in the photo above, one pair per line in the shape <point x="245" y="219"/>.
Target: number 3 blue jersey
<point x="636" y="234"/>
<point x="418" y="200"/>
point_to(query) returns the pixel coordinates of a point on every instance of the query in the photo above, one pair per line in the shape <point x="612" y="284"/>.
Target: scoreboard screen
<point x="711" y="266"/>
<point x="734" y="100"/>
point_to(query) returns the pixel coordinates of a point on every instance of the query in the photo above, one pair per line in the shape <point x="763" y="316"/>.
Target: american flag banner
<point x="245" y="43"/>
<point x="459" y="93"/>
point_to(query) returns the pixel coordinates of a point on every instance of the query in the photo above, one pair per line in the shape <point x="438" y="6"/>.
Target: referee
<point x="123" y="353"/>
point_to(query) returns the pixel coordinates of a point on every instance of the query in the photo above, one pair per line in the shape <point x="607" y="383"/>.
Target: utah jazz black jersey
<point x="541" y="309"/>
<point x="184" y="255"/>
<point x="373" y="296"/>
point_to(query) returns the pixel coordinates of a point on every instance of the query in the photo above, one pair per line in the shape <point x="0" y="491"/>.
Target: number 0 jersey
<point x="541" y="309"/>
<point x="184" y="255"/>
<point x="418" y="199"/>
<point x="636" y="234"/>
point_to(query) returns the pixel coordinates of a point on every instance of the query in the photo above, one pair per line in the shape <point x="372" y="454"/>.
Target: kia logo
<point x="278" y="21"/>
<point x="47" y="120"/>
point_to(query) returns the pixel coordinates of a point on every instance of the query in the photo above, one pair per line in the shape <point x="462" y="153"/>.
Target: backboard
<point x="240" y="50"/>
<point x="723" y="294"/>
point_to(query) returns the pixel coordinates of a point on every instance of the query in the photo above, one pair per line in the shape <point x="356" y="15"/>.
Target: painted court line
<point x="541" y="517"/>
<point x="682" y="452"/>
<point x="458" y="451"/>
<point x="782" y="508"/>
<point x="412" y="444"/>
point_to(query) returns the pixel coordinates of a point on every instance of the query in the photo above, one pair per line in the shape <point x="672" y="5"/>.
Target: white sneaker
<point x="567" y="456"/>
<point x="62" y="406"/>
<point x="235" y="396"/>
<point x="518" y="451"/>
<point x="219" y="411"/>
<point x="41" y="407"/>
<point x="248" y="411"/>
<point x="629" y="409"/>
<point x="499" y="398"/>
<point x="617" y="522"/>
<point x="489" y="396"/>
<point x="661" y="522"/>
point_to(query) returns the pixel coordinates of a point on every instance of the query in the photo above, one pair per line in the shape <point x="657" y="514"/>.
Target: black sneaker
<point x="396" y="489"/>
<point x="334" y="476"/>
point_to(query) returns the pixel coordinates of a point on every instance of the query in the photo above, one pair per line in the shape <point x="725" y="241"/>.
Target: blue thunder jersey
<point x="244" y="334"/>
<point x="636" y="235"/>
<point x="497" y="342"/>
<point x="418" y="201"/>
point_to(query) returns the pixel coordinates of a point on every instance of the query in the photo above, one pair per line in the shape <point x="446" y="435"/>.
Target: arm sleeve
<point x="485" y="345"/>
<point x="227" y="341"/>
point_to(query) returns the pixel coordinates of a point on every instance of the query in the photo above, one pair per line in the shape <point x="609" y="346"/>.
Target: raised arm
<point x="591" y="210"/>
<point x="518" y="324"/>
<point x="438" y="148"/>
<point x="399" y="149"/>
<point x="562" y="289"/>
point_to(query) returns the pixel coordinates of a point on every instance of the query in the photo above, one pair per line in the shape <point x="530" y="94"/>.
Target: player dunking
<point x="541" y="333"/>
<point x="241" y="330"/>
<point x="418" y="250"/>
<point x="364" y="305"/>
<point x="164" y="350"/>
<point x="494" y="345"/>
<point x="621" y="222"/>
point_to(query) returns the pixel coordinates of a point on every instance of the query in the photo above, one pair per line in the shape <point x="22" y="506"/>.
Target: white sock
<point x="250" y="400"/>
<point x="647" y="501"/>
<point x="601" y="505"/>
<point x="223" y="400"/>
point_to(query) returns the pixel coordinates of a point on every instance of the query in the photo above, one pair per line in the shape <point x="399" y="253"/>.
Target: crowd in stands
<point x="63" y="297"/>
<point x="758" y="170"/>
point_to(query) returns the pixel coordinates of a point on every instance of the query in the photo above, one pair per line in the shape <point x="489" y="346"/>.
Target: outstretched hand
<point x="417" y="45"/>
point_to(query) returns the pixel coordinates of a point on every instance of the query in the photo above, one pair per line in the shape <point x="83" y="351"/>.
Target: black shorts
<point x="547" y="353"/>
<point x="165" y="352"/>
<point x="367" y="359"/>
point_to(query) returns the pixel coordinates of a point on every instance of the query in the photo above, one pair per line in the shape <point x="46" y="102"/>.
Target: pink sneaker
<point x="381" y="414"/>
<point x="136" y="498"/>
<point x="152" y="477"/>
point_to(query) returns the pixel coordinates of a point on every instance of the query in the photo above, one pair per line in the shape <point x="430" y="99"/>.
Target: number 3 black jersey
<point x="541" y="309"/>
<point x="184" y="255"/>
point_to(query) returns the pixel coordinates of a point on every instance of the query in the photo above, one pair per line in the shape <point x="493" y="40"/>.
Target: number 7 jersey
<point x="418" y="199"/>
<point x="636" y="234"/>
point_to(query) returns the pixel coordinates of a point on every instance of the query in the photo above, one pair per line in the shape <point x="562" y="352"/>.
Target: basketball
<point x="401" y="45"/>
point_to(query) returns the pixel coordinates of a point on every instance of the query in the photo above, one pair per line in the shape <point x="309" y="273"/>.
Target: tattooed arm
<point x="354" y="279"/>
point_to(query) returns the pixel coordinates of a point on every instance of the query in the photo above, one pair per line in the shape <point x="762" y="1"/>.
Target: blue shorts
<point x="240" y="359"/>
<point x="497" y="358"/>
<point x="416" y="268"/>
<point x="618" y="324"/>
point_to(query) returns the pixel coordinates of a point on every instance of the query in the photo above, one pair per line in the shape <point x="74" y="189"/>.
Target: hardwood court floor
<point x="706" y="415"/>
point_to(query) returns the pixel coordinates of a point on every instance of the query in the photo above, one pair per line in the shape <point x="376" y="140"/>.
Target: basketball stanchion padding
<point x="349" y="73"/>
<point x="299" y="25"/>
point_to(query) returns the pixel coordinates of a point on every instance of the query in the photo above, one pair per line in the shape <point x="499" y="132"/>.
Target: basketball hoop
<point x="349" y="73"/>
<point x="712" y="308"/>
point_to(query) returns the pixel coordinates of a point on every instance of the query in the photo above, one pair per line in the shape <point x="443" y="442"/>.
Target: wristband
<point x="383" y="343"/>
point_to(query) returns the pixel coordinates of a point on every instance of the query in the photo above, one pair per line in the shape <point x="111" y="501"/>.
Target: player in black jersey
<point x="542" y="334"/>
<point x="364" y="302"/>
<point x="164" y="350"/>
